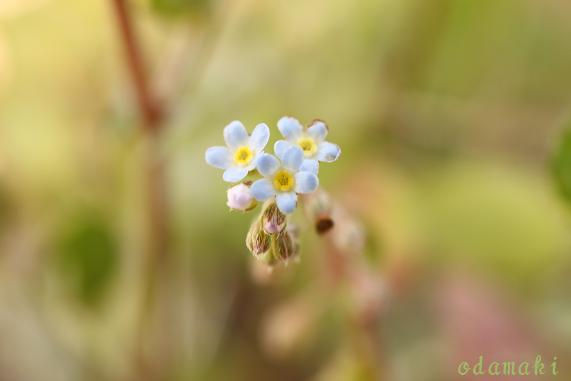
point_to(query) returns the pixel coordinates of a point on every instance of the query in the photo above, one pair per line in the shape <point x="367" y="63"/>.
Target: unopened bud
<point x="268" y="258"/>
<point x="240" y="198"/>
<point x="319" y="208"/>
<point x="273" y="220"/>
<point x="323" y="224"/>
<point x="257" y="240"/>
<point x="285" y="247"/>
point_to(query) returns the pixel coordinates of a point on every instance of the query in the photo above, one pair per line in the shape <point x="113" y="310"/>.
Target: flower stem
<point x="152" y="116"/>
<point x="150" y="109"/>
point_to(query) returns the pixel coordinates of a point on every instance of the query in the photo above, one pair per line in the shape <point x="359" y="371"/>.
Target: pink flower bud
<point x="274" y="221"/>
<point x="240" y="198"/>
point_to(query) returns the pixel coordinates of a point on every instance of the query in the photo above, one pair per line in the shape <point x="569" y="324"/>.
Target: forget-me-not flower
<point x="241" y="152"/>
<point x="284" y="178"/>
<point x="310" y="140"/>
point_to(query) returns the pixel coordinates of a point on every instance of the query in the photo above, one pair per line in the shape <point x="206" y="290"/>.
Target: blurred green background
<point x="455" y="125"/>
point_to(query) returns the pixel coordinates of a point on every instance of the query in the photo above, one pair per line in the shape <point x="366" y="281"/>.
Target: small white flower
<point x="241" y="152"/>
<point x="310" y="140"/>
<point x="240" y="198"/>
<point x="284" y="178"/>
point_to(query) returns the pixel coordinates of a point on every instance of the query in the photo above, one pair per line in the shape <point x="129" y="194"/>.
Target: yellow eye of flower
<point x="243" y="155"/>
<point x="308" y="146"/>
<point x="284" y="181"/>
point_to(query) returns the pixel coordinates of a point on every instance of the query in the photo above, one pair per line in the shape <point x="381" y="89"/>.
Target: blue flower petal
<point x="306" y="182"/>
<point x="252" y="164"/>
<point x="218" y="157"/>
<point x="262" y="190"/>
<point x="318" y="130"/>
<point x="290" y="127"/>
<point x="293" y="158"/>
<point x="280" y="147"/>
<point x="267" y="164"/>
<point x="260" y="137"/>
<point x="286" y="202"/>
<point x="328" y="152"/>
<point x="235" y="134"/>
<point x="310" y="165"/>
<point x="234" y="174"/>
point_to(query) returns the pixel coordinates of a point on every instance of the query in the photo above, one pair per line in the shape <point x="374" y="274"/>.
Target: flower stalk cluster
<point x="271" y="239"/>
<point x="277" y="180"/>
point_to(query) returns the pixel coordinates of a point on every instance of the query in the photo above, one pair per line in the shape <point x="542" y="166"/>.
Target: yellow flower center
<point x="284" y="181"/>
<point x="308" y="146"/>
<point x="243" y="155"/>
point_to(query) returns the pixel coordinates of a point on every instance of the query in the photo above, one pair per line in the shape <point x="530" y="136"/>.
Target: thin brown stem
<point x="151" y="113"/>
<point x="148" y="105"/>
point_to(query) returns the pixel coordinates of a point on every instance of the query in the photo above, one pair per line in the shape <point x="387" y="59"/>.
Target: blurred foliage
<point x="5" y="206"/>
<point x="180" y="8"/>
<point x="87" y="256"/>
<point x="561" y="163"/>
<point x="444" y="109"/>
<point x="504" y="220"/>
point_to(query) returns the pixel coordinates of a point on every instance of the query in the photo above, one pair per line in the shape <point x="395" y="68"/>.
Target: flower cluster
<point x="275" y="179"/>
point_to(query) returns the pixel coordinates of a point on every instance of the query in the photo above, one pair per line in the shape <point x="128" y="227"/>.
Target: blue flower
<point x="310" y="140"/>
<point x="241" y="152"/>
<point x="284" y="178"/>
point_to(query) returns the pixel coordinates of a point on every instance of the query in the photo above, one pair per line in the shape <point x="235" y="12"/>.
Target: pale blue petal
<point x="318" y="130"/>
<point x="252" y="164"/>
<point x="235" y="134"/>
<point x="260" y="137"/>
<point x="328" y="152"/>
<point x="290" y="127"/>
<point x="281" y="147"/>
<point x="267" y="164"/>
<point x="218" y="157"/>
<point x="286" y="202"/>
<point x="262" y="189"/>
<point x="310" y="165"/>
<point x="306" y="182"/>
<point x="293" y="157"/>
<point x="234" y="174"/>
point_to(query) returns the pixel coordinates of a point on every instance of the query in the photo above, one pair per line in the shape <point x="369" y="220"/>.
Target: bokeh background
<point x="454" y="240"/>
